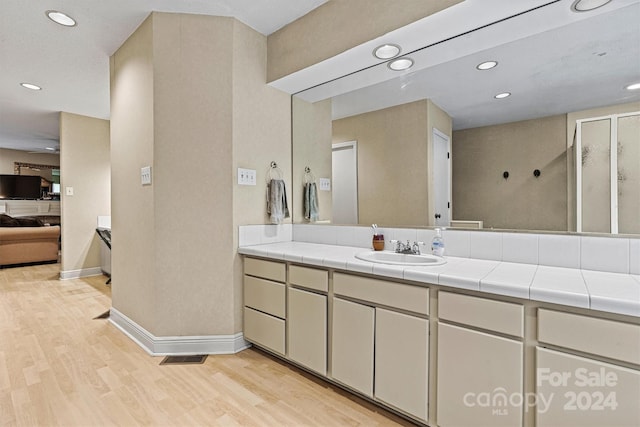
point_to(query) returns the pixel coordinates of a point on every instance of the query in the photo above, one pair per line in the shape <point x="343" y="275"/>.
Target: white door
<point x="345" y="182"/>
<point x="442" y="178"/>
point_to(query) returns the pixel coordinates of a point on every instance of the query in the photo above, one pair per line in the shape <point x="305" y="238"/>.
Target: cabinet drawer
<point x="406" y="297"/>
<point x="264" y="330"/>
<point x="602" y="337"/>
<point x="264" y="295"/>
<point x="267" y="269"/>
<point x="498" y="316"/>
<point x="310" y="278"/>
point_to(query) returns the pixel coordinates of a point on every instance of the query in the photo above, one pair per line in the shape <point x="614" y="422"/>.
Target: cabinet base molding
<point x="172" y="346"/>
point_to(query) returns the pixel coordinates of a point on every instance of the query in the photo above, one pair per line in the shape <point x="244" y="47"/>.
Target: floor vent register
<point x="184" y="360"/>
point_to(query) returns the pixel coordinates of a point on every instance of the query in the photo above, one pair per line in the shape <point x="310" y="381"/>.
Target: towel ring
<point x="274" y="170"/>
<point x="308" y="176"/>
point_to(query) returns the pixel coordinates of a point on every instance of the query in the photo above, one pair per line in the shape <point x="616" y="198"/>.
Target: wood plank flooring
<point x="59" y="367"/>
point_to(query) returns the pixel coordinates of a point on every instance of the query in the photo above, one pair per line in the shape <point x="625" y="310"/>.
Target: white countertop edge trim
<point x="448" y="279"/>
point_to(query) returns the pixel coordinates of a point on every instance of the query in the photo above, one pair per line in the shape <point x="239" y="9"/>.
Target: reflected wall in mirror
<point x="576" y="68"/>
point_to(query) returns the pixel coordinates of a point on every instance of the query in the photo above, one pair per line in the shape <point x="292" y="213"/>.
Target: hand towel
<point x="310" y="201"/>
<point x="277" y="208"/>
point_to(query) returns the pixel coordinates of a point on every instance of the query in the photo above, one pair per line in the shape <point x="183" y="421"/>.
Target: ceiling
<point x="72" y="64"/>
<point x="551" y="59"/>
<point x="547" y="56"/>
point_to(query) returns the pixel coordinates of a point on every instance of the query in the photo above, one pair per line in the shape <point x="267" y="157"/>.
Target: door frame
<point x="436" y="131"/>
<point x="354" y="146"/>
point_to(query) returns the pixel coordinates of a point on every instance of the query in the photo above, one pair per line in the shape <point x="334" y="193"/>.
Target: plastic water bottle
<point x="437" y="244"/>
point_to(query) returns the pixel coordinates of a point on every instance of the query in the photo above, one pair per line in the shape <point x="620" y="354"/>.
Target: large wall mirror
<point x="436" y="144"/>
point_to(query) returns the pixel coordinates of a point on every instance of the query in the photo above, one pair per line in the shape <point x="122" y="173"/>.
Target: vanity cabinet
<point x="379" y="339"/>
<point x="380" y="344"/>
<point x="307" y="317"/>
<point x="579" y="389"/>
<point x="478" y="370"/>
<point x="401" y="361"/>
<point x="352" y="345"/>
<point x="265" y="304"/>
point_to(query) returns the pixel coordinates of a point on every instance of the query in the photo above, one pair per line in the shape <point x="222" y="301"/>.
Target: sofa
<point x="27" y="240"/>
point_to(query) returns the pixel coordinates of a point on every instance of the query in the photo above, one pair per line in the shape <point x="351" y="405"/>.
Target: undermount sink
<point x="386" y="257"/>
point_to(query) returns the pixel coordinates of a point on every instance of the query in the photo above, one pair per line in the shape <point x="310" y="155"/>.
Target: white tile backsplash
<point x="311" y="233"/>
<point x="520" y="247"/>
<point x="359" y="237"/>
<point x="264" y="233"/>
<point x="485" y="246"/>
<point x="604" y="254"/>
<point x="401" y="234"/>
<point x="617" y="255"/>
<point x="634" y="256"/>
<point x="456" y="243"/>
<point x="559" y="251"/>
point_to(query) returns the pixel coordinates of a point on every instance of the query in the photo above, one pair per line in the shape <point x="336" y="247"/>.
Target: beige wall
<point x="261" y="134"/>
<point x="312" y="147"/>
<point x="7" y="157"/>
<point x="132" y="206"/>
<point x="331" y="29"/>
<point x="85" y="160"/>
<point x="189" y="99"/>
<point x="481" y="155"/>
<point x="392" y="163"/>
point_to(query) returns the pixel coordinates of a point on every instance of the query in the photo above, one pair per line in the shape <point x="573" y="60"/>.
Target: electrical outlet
<point x="145" y="175"/>
<point x="246" y="176"/>
<point x="325" y="184"/>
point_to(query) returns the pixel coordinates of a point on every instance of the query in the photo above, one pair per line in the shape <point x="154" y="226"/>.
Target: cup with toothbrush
<point x="378" y="238"/>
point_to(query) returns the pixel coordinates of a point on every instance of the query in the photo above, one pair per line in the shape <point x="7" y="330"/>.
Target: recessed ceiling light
<point x="30" y="86"/>
<point x="487" y="65"/>
<point x="634" y="86"/>
<point x="387" y="51"/>
<point x="50" y="148"/>
<point x="61" y="18"/>
<point x="401" y="64"/>
<point x="587" y="5"/>
<point x="502" y="95"/>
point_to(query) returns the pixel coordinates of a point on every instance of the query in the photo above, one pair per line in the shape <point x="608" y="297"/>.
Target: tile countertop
<point x="609" y="292"/>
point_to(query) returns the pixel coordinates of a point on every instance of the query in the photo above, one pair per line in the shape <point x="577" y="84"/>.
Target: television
<point x="19" y="187"/>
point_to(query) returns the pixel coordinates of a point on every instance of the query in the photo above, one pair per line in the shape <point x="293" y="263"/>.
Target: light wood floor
<point x="59" y="367"/>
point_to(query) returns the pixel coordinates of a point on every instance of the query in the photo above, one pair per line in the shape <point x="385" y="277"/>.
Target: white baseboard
<point x="165" y="346"/>
<point x="84" y="272"/>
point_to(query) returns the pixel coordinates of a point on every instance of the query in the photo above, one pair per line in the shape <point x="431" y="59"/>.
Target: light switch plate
<point x="246" y="176"/>
<point x="145" y="175"/>
<point x="68" y="191"/>
<point x="325" y="184"/>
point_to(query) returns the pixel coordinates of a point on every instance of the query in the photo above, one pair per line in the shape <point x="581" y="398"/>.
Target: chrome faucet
<point x="402" y="248"/>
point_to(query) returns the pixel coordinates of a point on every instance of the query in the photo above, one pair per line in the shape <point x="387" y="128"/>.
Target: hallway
<point x="59" y="367"/>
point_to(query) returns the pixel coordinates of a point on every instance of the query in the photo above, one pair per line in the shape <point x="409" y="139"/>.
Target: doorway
<point x="344" y="173"/>
<point x="441" y="166"/>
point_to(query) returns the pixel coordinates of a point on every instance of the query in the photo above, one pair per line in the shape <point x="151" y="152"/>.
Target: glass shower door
<point x="629" y="174"/>
<point x="608" y="174"/>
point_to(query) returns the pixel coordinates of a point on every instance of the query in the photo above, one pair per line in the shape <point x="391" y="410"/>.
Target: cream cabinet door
<point x="352" y="345"/>
<point x="402" y="361"/>
<point x="307" y="329"/>
<point x="576" y="391"/>
<point x="479" y="380"/>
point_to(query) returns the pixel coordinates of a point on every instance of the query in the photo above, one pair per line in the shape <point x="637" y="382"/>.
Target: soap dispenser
<point x="437" y="244"/>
